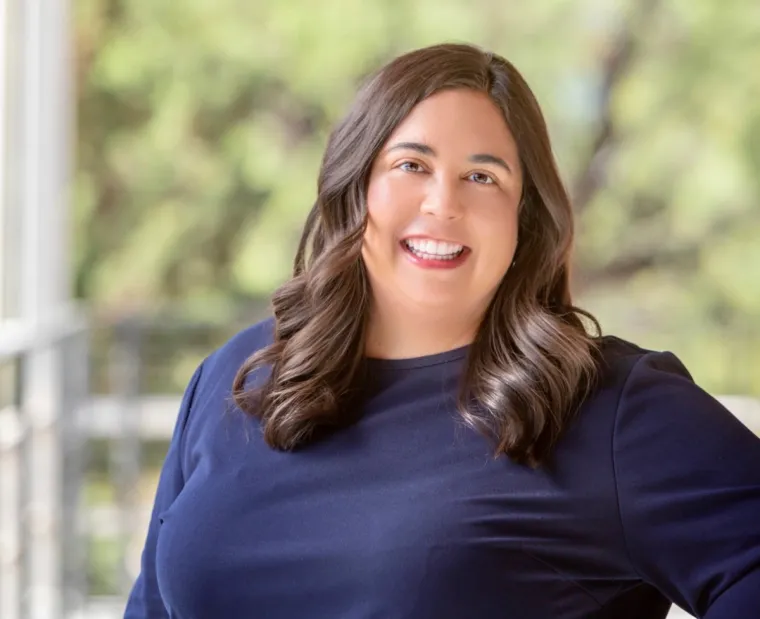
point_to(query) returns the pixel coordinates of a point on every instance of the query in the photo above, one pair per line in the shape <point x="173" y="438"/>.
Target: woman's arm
<point x="145" y="600"/>
<point x="688" y="479"/>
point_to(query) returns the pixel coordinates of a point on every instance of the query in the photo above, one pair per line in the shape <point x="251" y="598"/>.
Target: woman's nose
<point x="442" y="200"/>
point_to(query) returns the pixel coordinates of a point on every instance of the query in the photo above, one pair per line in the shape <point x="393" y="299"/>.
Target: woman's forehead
<point x="461" y="121"/>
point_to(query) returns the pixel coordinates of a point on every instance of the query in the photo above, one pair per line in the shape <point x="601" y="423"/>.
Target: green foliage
<point x="201" y="126"/>
<point x="104" y="557"/>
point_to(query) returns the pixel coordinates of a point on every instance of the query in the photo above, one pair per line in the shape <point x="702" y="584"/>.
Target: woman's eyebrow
<point x="421" y="148"/>
<point x="488" y="158"/>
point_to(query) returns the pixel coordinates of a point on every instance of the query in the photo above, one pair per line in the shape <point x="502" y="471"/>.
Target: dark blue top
<point x="654" y="497"/>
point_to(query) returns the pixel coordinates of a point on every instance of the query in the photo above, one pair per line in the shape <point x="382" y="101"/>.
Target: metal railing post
<point x="125" y="453"/>
<point x="74" y="351"/>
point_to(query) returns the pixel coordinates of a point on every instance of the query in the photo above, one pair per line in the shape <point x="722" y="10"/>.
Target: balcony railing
<point x="43" y="383"/>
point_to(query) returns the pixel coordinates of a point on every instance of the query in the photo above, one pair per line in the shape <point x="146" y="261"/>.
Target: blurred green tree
<point x="201" y="125"/>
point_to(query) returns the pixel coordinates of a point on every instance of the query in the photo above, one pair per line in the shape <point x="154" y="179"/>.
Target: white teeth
<point x="430" y="249"/>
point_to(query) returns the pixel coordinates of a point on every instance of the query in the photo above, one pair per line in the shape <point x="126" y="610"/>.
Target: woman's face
<point x="443" y="200"/>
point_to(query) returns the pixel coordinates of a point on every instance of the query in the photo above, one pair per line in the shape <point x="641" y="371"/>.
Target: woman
<point x="431" y="429"/>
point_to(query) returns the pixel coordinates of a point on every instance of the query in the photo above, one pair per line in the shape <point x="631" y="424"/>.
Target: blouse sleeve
<point x="688" y="478"/>
<point x="144" y="601"/>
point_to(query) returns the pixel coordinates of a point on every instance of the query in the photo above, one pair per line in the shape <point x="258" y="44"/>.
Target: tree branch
<point x="593" y="174"/>
<point x="683" y="256"/>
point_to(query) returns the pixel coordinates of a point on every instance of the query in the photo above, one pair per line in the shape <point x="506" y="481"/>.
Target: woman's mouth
<point x="434" y="253"/>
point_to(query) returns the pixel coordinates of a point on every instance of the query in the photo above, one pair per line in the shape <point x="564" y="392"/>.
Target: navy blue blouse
<point x="653" y="498"/>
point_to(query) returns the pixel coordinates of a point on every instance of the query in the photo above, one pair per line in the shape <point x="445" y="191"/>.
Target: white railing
<point x="43" y="382"/>
<point x="156" y="414"/>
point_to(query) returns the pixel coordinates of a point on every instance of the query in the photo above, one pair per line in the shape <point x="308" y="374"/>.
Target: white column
<point x="4" y="43"/>
<point x="10" y="541"/>
<point x="45" y="150"/>
<point x="46" y="153"/>
<point x="11" y="106"/>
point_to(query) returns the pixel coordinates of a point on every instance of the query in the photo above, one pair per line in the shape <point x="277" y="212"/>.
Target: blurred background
<point x="157" y="160"/>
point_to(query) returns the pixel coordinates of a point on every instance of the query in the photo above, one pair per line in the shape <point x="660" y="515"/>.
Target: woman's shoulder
<point x="210" y="388"/>
<point x="652" y="392"/>
<point x="219" y="368"/>
<point x="643" y="382"/>
<point x="622" y="361"/>
<point x="234" y="352"/>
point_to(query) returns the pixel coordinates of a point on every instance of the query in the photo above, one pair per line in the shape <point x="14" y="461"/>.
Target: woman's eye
<point x="410" y="166"/>
<point x="481" y="178"/>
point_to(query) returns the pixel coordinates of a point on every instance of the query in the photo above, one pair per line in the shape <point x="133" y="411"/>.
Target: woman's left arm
<point x="688" y="480"/>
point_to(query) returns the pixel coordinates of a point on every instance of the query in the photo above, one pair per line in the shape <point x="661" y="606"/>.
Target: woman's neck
<point x="397" y="333"/>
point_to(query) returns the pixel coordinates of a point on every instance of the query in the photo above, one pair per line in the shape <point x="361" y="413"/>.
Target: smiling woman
<point x="426" y="428"/>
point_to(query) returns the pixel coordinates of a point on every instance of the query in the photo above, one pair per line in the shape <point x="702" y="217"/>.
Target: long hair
<point x="532" y="362"/>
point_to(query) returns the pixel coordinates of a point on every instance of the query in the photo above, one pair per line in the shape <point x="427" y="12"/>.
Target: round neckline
<point x="418" y="362"/>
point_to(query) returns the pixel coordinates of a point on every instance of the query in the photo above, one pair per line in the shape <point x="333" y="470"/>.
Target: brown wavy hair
<point x="533" y="360"/>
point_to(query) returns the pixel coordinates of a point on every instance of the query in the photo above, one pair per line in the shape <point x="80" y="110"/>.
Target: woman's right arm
<point x="145" y="601"/>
